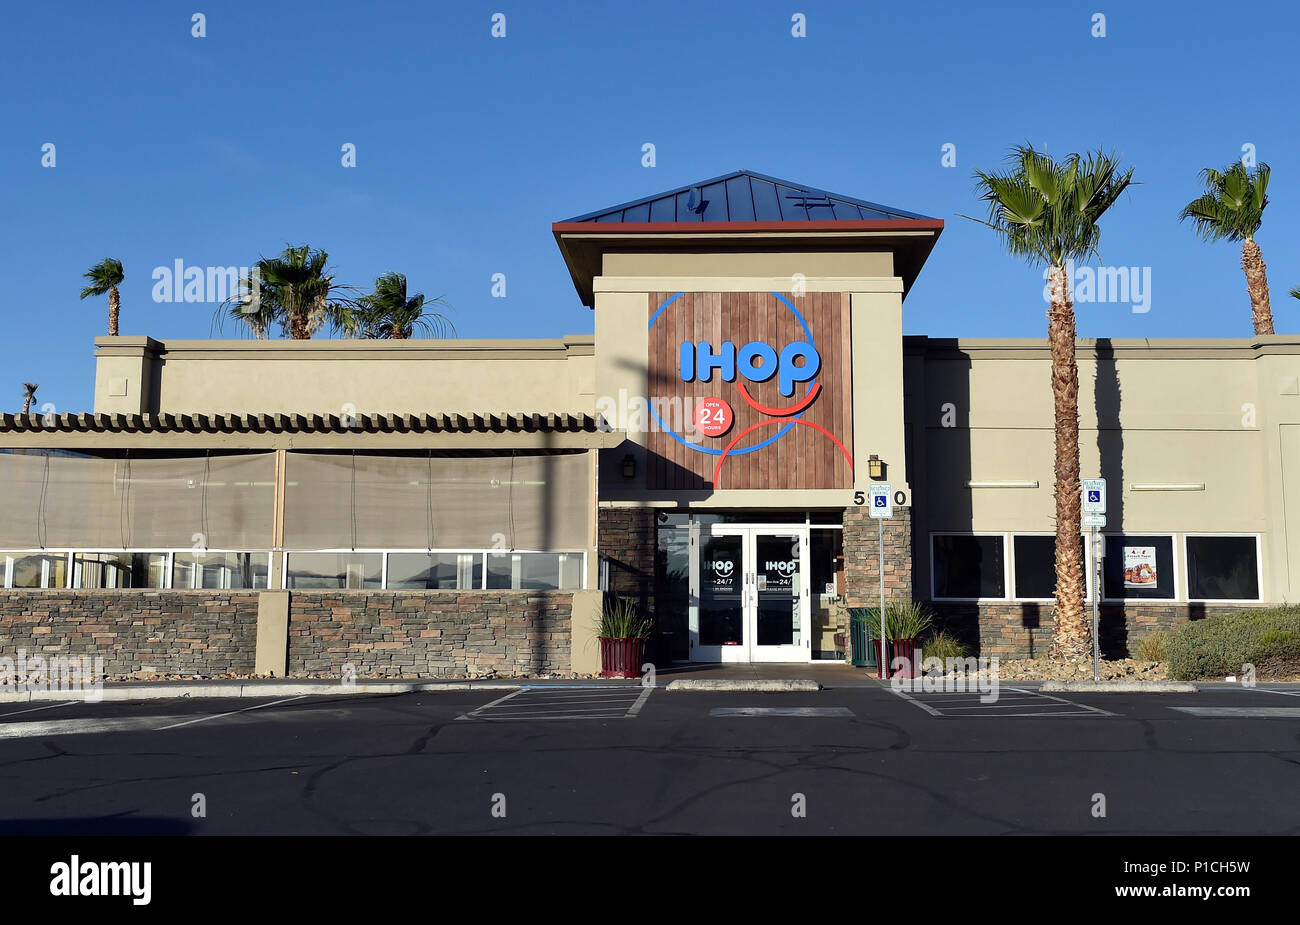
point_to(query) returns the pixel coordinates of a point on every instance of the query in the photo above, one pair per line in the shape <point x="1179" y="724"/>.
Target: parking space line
<point x="564" y="703"/>
<point x="906" y="696"/>
<point x="968" y="705"/>
<point x="48" y="706"/>
<point x="1063" y="700"/>
<point x="640" y="702"/>
<point x="202" y="719"/>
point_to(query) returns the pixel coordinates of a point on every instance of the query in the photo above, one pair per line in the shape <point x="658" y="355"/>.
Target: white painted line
<point x="204" y="719"/>
<point x="34" y="709"/>
<point x="474" y="713"/>
<point x="640" y="702"/>
<point x="838" y="712"/>
<point x="1266" y="690"/>
<point x="924" y="706"/>
<point x="1238" y="712"/>
<point x="1077" y="706"/>
<point x="549" y="701"/>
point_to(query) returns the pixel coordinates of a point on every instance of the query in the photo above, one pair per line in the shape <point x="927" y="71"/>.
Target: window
<point x="421" y="571"/>
<point x="1222" y="568"/>
<point x="330" y="570"/>
<point x="119" y="570"/>
<point x="967" y="566"/>
<point x="534" y="570"/>
<point x="1139" y="567"/>
<point x="34" y="570"/>
<point x="219" y="570"/>
<point x="825" y="560"/>
<point x="1035" y="565"/>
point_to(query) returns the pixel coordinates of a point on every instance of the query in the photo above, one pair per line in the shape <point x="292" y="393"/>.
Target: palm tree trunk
<point x="27" y="404"/>
<point x="114" y="310"/>
<point x="298" y="327"/>
<point x="1252" y="261"/>
<point x="1072" y="633"/>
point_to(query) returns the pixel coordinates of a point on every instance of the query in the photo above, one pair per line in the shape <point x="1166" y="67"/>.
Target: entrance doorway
<point x="749" y="594"/>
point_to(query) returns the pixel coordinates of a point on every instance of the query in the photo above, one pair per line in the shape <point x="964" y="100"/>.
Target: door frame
<point x="749" y="650"/>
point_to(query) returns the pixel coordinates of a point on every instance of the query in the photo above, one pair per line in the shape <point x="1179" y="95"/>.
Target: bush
<point x="944" y="645"/>
<point x="1268" y="638"/>
<point x="620" y="618"/>
<point x="903" y="619"/>
<point x="1153" y="647"/>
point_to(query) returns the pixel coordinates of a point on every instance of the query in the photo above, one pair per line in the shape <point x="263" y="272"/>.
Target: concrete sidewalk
<point x="737" y="677"/>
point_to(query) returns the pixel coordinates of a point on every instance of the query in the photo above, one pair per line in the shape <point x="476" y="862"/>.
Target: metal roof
<point x="745" y="196"/>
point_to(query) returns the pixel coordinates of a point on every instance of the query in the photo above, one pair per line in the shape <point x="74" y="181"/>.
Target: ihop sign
<point x="756" y="361"/>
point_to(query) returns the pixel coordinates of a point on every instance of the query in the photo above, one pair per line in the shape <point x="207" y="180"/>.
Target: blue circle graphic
<point x="713" y="451"/>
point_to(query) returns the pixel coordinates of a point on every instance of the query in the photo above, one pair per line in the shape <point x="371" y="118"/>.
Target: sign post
<point x="880" y="503"/>
<point x="1094" y="517"/>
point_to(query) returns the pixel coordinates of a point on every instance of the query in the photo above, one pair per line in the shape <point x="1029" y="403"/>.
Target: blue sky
<point x="219" y="149"/>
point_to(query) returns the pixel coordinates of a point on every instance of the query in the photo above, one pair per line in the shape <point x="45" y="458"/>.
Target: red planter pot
<point x="621" y="658"/>
<point x="898" y="648"/>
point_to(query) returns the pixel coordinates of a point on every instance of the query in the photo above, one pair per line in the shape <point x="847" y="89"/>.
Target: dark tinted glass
<point x="968" y="566"/>
<point x="1222" y="568"/>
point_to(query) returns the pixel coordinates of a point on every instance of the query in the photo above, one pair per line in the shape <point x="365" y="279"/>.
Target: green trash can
<point x="864" y="651"/>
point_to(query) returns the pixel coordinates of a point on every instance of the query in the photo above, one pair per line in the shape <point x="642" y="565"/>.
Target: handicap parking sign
<point x="882" y="502"/>
<point x="1094" y="496"/>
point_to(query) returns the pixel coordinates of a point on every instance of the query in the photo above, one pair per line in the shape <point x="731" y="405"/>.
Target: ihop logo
<point x="756" y="361"/>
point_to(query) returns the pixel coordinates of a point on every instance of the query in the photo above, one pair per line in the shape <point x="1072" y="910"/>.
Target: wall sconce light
<point x="629" y="466"/>
<point x="875" y="467"/>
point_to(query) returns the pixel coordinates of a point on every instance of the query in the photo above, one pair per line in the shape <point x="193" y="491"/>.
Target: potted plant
<point x="623" y="633"/>
<point x="905" y="623"/>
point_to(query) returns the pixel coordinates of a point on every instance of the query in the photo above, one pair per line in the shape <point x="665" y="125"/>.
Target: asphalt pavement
<point x="623" y="759"/>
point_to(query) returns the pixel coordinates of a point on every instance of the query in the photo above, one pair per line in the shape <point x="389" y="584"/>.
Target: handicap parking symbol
<point x="1094" y="497"/>
<point x="880" y="500"/>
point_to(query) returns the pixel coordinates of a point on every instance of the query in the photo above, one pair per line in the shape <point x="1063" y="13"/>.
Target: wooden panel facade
<point x="801" y="459"/>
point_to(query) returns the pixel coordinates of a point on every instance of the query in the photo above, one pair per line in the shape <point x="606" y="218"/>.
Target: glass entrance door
<point x="749" y="594"/>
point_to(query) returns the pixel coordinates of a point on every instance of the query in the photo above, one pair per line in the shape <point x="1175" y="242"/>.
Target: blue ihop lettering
<point x="756" y="361"/>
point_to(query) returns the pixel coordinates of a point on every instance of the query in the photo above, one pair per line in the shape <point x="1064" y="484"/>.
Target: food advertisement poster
<point x="1139" y="567"/>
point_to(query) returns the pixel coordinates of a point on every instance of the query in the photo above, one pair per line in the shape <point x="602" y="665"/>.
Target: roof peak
<point x="745" y="196"/>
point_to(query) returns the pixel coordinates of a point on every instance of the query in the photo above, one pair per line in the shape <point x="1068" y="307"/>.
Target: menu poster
<point x="1139" y="567"/>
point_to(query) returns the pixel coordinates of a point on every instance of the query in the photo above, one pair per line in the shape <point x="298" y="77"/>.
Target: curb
<point x="754" y="686"/>
<point x="1119" y="687"/>
<point x="172" y="691"/>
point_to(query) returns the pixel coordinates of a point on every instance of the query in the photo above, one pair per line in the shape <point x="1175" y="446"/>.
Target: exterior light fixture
<point x="1003" y="483"/>
<point x="875" y="467"/>
<point x="629" y="466"/>
<point x="1167" y="486"/>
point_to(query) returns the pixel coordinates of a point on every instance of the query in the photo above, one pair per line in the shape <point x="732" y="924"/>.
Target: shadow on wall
<point x="1107" y="401"/>
<point x="938" y="419"/>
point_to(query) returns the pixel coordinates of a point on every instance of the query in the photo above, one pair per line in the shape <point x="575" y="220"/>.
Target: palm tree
<point x="29" y="395"/>
<point x="1295" y="292"/>
<point x="295" y="290"/>
<point x="1232" y="208"/>
<point x="1047" y="213"/>
<point x="389" y="313"/>
<point x="106" y="276"/>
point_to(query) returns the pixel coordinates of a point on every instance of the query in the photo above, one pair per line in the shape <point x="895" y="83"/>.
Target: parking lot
<point x="627" y="759"/>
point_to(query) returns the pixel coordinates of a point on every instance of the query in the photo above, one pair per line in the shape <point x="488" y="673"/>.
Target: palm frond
<point x="1047" y="211"/>
<point x="103" y="276"/>
<point x="1232" y="206"/>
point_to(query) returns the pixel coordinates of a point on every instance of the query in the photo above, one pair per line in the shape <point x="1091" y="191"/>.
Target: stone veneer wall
<point x="429" y="634"/>
<point x="626" y="539"/>
<point x="1024" y="629"/>
<point x="214" y="633"/>
<point x="137" y="632"/>
<point x="862" y="560"/>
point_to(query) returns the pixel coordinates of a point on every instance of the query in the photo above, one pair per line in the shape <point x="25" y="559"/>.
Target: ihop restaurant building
<point x="463" y="506"/>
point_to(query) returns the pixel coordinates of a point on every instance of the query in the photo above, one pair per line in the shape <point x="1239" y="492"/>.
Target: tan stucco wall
<point x="1150" y="412"/>
<point x="335" y="377"/>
